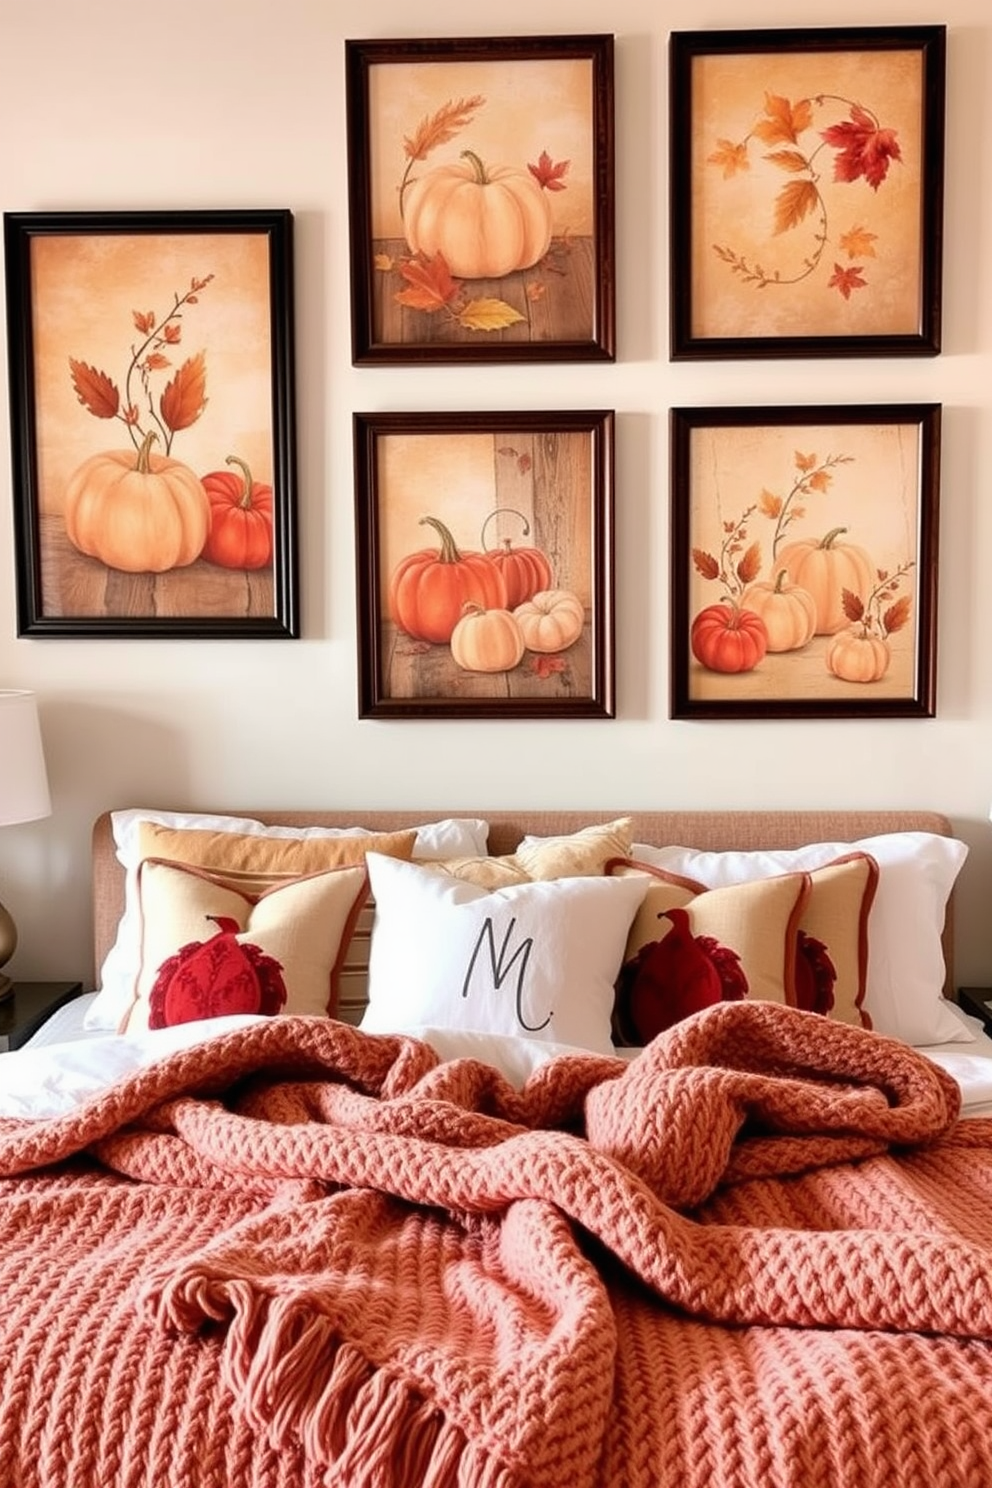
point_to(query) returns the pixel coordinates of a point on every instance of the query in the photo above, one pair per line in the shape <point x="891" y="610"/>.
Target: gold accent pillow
<point x="251" y="863"/>
<point x="582" y="854"/>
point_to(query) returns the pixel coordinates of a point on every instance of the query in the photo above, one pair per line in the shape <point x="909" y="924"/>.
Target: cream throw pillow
<point x="207" y="949"/>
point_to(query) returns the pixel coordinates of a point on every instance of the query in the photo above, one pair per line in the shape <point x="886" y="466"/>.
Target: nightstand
<point x="978" y="1002"/>
<point x="23" y="1013"/>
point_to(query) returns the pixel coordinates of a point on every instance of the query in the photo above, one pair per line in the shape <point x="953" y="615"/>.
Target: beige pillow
<point x="796" y="938"/>
<point x="252" y="863"/>
<point x="581" y="854"/>
<point x="208" y="949"/>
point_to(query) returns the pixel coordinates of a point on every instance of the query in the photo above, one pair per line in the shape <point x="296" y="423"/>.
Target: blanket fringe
<point x="299" y="1382"/>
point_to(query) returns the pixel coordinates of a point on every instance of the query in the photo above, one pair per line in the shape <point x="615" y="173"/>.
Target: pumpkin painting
<point x="524" y="570"/>
<point x="429" y="589"/>
<point x="825" y="567"/>
<point x="137" y="511"/>
<point x="487" y="641"/>
<point x="486" y="222"/>
<point x="240" y="518"/>
<point x="725" y="638"/>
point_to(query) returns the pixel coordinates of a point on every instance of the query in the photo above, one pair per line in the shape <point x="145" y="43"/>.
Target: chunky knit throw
<point x="299" y="1255"/>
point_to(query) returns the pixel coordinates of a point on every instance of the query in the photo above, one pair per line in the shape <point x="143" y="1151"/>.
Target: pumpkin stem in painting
<point x="832" y="537"/>
<point x="144" y="452"/>
<point x="495" y="513"/>
<point x="480" y="170"/>
<point x="245" y="502"/>
<point x="449" y="551"/>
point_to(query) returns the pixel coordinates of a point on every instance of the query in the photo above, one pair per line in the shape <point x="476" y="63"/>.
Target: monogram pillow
<point x="533" y="960"/>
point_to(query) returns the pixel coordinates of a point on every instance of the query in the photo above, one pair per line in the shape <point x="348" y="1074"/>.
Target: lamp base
<point x="6" y="987"/>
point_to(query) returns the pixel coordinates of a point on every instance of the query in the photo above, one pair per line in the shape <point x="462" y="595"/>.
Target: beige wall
<point x="239" y="103"/>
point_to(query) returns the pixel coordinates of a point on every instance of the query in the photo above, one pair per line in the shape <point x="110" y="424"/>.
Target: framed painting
<point x="152" y="420"/>
<point x="806" y="179"/>
<point x="481" y="199"/>
<point x="485" y="564"/>
<point x="804" y="561"/>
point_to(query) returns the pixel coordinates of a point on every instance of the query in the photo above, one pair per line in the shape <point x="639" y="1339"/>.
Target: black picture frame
<point x="425" y="116"/>
<point x="789" y="234"/>
<point x="166" y="325"/>
<point x="823" y="522"/>
<point x="519" y="507"/>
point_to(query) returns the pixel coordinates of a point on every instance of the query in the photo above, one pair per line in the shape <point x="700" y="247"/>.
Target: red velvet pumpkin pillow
<point x="210" y="949"/>
<point x="796" y="938"/>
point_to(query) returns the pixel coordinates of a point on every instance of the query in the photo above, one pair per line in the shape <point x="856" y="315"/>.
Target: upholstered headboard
<point x="711" y="830"/>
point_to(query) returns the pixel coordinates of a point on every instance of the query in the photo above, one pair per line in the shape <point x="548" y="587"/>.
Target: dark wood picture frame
<point x="126" y="331"/>
<point x="790" y="236"/>
<point x="522" y="266"/>
<point x="485" y="555"/>
<point x="804" y="561"/>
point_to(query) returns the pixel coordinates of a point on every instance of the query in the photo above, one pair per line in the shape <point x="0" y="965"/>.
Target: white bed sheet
<point x="64" y="1063"/>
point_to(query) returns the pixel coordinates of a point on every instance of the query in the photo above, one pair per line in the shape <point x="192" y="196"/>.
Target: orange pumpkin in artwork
<point x="429" y="589"/>
<point x="240" y="518"/>
<point x="524" y="570"/>
<point x="727" y="639"/>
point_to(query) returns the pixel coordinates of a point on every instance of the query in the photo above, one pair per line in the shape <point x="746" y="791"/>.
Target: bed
<point x="637" y="1149"/>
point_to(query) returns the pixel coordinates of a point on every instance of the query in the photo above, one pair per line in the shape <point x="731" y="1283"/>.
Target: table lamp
<point x="23" y="791"/>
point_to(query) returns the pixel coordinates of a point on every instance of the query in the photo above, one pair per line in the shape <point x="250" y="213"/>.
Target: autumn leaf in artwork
<point x="548" y="173"/>
<point x="847" y="280"/>
<point x="429" y="283"/>
<point x="863" y="149"/>
<point x="184" y="398"/>
<point x="859" y="243"/>
<point x="94" y="390"/>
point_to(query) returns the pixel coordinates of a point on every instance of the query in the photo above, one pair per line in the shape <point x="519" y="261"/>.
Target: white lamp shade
<point x="23" y="779"/>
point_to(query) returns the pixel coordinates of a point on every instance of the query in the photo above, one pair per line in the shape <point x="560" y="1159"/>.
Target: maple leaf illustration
<point x="548" y="173"/>
<point x="431" y="286"/>
<point x="783" y="122"/>
<point x="846" y="280"/>
<point x="730" y="158"/>
<point x="863" y="149"/>
<point x="859" y="243"/>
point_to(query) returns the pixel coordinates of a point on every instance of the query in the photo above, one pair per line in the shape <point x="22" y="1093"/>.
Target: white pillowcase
<point x="450" y="837"/>
<point x="534" y="961"/>
<point x="905" y="959"/>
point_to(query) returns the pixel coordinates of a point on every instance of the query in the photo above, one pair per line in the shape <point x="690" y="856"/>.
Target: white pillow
<point x="534" y="960"/>
<point x="451" y="837"/>
<point x="905" y="958"/>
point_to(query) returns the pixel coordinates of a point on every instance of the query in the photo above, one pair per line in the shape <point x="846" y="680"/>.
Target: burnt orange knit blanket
<point x="297" y="1255"/>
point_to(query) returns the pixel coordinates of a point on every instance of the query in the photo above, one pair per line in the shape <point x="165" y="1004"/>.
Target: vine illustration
<point x="182" y="400"/>
<point x="506" y="213"/>
<point x="863" y="150"/>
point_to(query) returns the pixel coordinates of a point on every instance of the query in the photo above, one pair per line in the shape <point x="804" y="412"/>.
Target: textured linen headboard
<point x="714" y="830"/>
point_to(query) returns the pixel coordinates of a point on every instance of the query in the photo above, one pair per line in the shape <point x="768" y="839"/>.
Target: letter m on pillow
<point x="501" y="964"/>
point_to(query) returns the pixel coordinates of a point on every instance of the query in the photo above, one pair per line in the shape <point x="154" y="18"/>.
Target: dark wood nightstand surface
<point x="22" y="1014"/>
<point x="978" y="1002"/>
